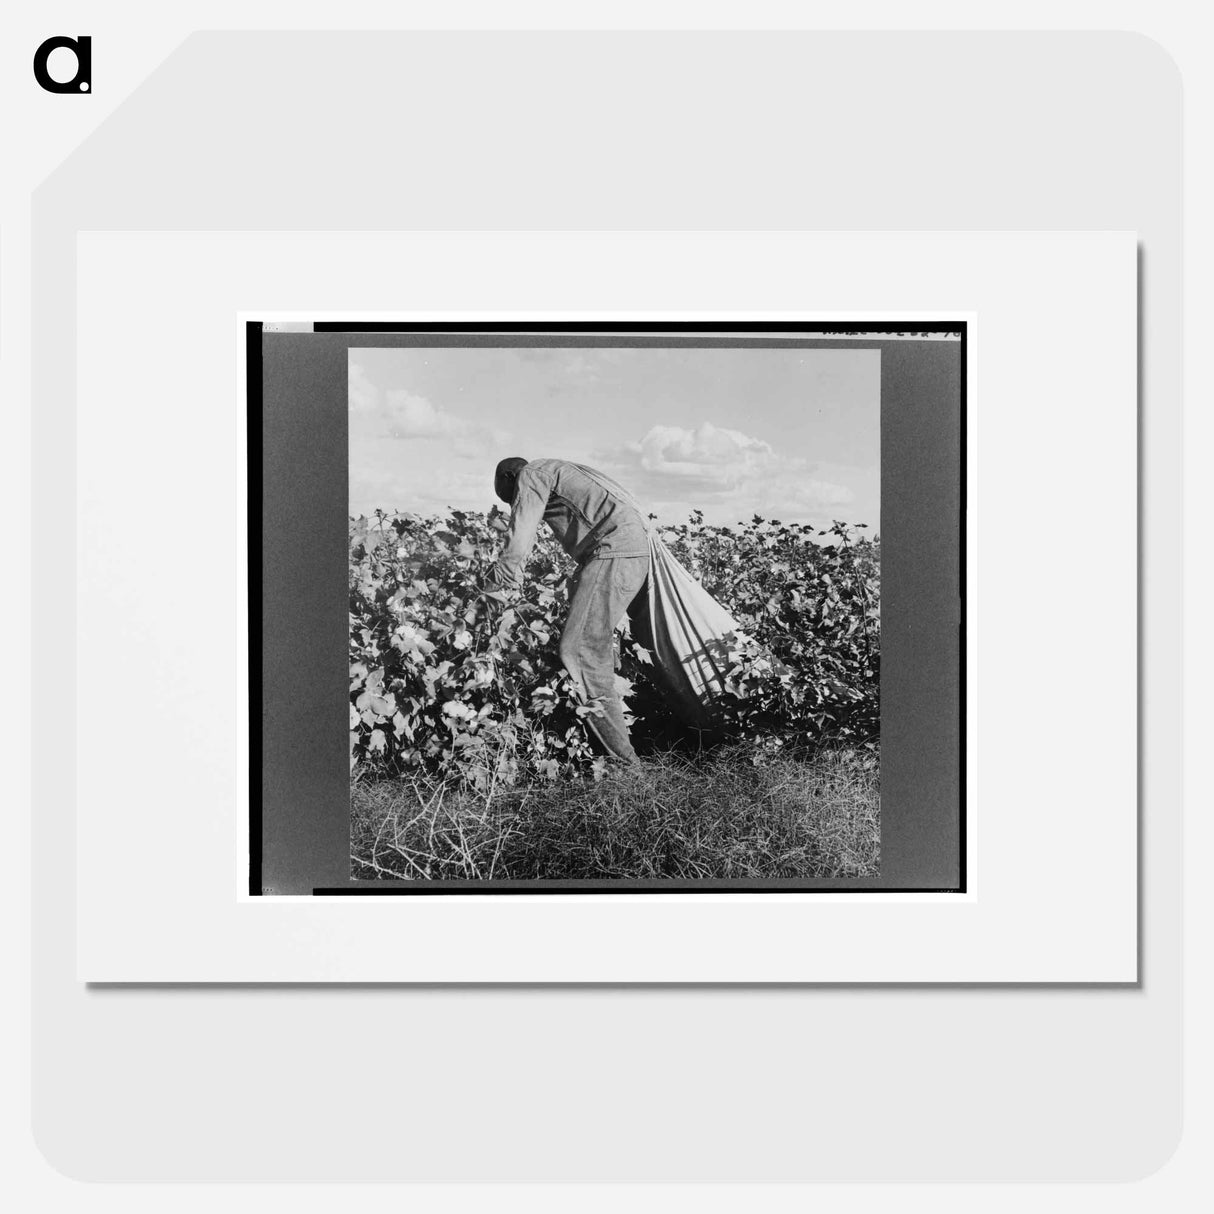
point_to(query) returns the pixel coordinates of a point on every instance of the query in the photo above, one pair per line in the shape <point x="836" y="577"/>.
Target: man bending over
<point x="600" y="526"/>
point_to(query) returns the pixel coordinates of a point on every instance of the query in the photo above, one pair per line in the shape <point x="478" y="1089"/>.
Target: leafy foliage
<point x="448" y="680"/>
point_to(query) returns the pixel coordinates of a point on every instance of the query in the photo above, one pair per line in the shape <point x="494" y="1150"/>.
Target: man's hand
<point x="483" y="608"/>
<point x="497" y="583"/>
<point x="493" y="598"/>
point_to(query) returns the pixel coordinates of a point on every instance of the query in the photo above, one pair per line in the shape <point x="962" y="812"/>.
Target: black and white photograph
<point x="649" y="607"/>
<point x="615" y="612"/>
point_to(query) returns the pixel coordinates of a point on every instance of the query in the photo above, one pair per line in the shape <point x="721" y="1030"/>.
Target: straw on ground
<point x="678" y="816"/>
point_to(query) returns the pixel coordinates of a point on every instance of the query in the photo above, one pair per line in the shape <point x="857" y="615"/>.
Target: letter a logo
<point x="82" y="81"/>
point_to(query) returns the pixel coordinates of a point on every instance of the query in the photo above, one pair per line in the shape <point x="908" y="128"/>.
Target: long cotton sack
<point x="690" y="629"/>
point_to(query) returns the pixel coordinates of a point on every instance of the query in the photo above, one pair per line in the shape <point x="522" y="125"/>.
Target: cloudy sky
<point x="789" y="434"/>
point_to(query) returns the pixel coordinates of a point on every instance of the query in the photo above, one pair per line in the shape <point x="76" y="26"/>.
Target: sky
<point x="788" y="434"/>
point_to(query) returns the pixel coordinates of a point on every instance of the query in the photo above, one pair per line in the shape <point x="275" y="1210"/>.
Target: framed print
<point x="812" y="830"/>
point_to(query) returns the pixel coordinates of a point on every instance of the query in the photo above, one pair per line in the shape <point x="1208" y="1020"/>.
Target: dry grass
<point x="718" y="815"/>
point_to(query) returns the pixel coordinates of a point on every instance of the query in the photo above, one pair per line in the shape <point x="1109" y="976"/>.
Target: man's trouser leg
<point x="602" y="592"/>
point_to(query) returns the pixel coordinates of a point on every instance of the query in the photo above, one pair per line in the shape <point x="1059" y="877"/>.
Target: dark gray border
<point x="304" y="781"/>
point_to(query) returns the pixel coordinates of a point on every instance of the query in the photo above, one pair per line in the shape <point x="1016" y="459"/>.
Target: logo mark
<point x="82" y="48"/>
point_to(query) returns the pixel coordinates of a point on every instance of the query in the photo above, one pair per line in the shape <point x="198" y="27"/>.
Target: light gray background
<point x="701" y="131"/>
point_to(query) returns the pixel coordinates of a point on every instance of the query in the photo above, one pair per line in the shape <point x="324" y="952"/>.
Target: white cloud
<point x="726" y="473"/>
<point x="411" y="416"/>
<point x="404" y="414"/>
<point x="363" y="394"/>
<point x="709" y="452"/>
<point x="409" y="453"/>
<point x="401" y="414"/>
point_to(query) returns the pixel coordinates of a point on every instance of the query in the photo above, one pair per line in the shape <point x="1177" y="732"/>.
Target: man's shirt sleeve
<point x="530" y="502"/>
